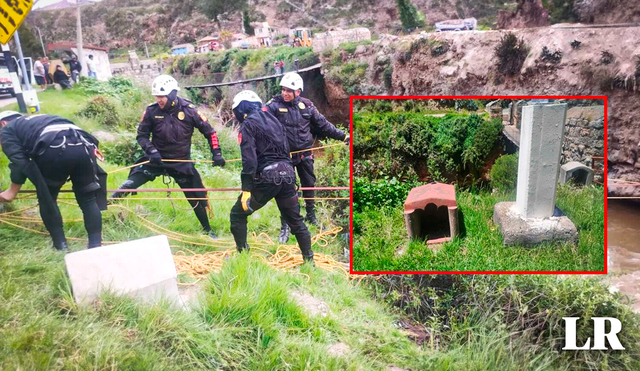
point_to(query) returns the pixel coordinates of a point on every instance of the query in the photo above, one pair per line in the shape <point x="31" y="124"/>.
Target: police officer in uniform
<point x="170" y="122"/>
<point x="267" y="172"/>
<point x="302" y="123"/>
<point x="48" y="150"/>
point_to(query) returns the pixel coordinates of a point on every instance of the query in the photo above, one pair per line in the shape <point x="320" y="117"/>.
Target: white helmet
<point x="247" y="95"/>
<point x="163" y="85"/>
<point x="292" y="81"/>
<point x="6" y="115"/>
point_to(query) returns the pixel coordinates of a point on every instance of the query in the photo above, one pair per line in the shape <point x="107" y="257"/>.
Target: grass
<point x="246" y="318"/>
<point x="480" y="248"/>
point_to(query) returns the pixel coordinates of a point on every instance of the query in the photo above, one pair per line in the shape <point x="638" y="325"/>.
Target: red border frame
<point x="351" y="98"/>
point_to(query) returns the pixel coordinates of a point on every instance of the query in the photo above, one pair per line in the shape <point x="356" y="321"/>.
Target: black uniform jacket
<point x="169" y="132"/>
<point x="302" y="122"/>
<point x="262" y="143"/>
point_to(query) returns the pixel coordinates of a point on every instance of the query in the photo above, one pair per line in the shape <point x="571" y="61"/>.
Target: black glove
<point x="218" y="160"/>
<point x="156" y="159"/>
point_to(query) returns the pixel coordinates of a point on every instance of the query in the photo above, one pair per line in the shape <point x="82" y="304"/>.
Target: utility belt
<point x="277" y="173"/>
<point x="301" y="156"/>
<point x="63" y="136"/>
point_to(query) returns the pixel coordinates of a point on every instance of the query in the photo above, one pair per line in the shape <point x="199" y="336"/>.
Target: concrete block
<point x="581" y="173"/>
<point x="541" y="140"/>
<point x="142" y="268"/>
<point x="517" y="230"/>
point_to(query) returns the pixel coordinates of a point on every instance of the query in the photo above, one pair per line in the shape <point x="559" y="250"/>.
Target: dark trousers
<point x="307" y="179"/>
<point x="72" y="160"/>
<point x="147" y="173"/>
<point x="287" y="200"/>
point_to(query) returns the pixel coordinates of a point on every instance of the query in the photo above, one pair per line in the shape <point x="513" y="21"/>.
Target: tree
<point x="409" y="16"/>
<point x="29" y="42"/>
<point x="214" y="8"/>
<point x="246" y="22"/>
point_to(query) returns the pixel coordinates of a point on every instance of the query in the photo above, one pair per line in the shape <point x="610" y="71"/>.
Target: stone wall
<point x="331" y="39"/>
<point x="584" y="138"/>
<point x="143" y="71"/>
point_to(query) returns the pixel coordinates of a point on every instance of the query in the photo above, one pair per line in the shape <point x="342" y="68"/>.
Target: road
<point x="6" y="100"/>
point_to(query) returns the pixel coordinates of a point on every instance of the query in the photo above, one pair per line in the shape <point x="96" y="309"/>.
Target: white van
<point x="457" y="25"/>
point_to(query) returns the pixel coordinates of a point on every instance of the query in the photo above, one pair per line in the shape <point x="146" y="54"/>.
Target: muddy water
<point x="623" y="234"/>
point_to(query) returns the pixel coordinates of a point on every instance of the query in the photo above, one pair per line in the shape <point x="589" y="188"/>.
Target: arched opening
<point x="433" y="222"/>
<point x="579" y="176"/>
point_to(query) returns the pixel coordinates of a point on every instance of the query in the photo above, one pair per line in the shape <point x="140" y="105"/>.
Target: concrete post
<point x="541" y="138"/>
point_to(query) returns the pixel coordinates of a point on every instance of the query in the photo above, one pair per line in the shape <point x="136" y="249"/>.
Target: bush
<point x="511" y="54"/>
<point x="124" y="151"/>
<point x="389" y="192"/>
<point x="607" y="58"/>
<point x="553" y="57"/>
<point x="504" y="173"/>
<point x="528" y="308"/>
<point x="388" y="77"/>
<point x="401" y="143"/>
<point x="103" y="110"/>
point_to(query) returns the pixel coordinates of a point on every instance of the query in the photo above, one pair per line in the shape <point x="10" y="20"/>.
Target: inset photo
<point x="478" y="185"/>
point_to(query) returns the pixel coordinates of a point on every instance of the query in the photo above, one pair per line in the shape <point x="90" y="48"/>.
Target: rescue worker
<point x="170" y="122"/>
<point x="302" y="123"/>
<point x="267" y="172"/>
<point x="48" y="150"/>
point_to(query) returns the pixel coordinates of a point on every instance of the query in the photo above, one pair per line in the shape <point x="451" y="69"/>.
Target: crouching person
<point x="267" y="172"/>
<point x="48" y="150"/>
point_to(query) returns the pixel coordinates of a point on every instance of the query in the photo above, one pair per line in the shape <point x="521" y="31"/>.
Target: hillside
<point x="128" y="23"/>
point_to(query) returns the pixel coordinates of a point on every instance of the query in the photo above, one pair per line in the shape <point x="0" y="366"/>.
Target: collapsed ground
<point x="253" y="317"/>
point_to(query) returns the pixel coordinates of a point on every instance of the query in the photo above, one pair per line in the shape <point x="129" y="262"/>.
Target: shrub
<point x="388" y="77"/>
<point x="122" y="152"/>
<point x="607" y="58"/>
<point x="511" y="54"/>
<point x="549" y="56"/>
<point x="409" y="16"/>
<point x="439" y="49"/>
<point x="103" y="110"/>
<point x="389" y="192"/>
<point x="504" y="173"/>
<point x="528" y="308"/>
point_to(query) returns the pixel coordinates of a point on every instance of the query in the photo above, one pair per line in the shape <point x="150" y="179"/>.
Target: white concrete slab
<point x="142" y="268"/>
<point x="541" y="137"/>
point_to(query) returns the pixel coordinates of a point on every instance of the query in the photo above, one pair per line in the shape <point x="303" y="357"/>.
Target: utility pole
<point x="25" y="73"/>
<point x="44" y="51"/>
<point x="83" y="72"/>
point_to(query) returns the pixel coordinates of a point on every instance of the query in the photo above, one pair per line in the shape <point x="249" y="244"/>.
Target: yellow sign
<point x="12" y="13"/>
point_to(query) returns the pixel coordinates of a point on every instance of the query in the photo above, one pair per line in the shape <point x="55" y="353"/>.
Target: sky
<point x="41" y="3"/>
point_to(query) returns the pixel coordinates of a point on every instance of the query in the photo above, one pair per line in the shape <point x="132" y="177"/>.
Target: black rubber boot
<point x="61" y="246"/>
<point x="308" y="259"/>
<point x="211" y="234"/>
<point x="285" y="232"/>
<point x="243" y="248"/>
<point x="311" y="216"/>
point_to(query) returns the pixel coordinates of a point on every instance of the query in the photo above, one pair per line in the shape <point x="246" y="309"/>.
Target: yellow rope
<point x="232" y="160"/>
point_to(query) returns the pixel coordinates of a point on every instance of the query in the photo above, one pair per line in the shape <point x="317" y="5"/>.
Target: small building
<point x="209" y="43"/>
<point x="265" y="34"/>
<point x="100" y="57"/>
<point x="182" y="49"/>
<point x="243" y="41"/>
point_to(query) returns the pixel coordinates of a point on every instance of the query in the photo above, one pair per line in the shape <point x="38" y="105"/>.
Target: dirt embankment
<point x="463" y="63"/>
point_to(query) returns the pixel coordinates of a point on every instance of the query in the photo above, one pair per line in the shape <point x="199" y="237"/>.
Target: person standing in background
<point x="91" y="65"/>
<point x="39" y="73"/>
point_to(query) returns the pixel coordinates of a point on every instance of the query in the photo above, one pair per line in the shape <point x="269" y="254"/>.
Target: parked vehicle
<point x="6" y="85"/>
<point x="457" y="25"/>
